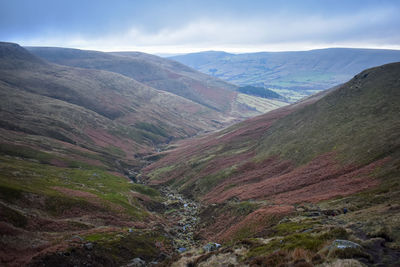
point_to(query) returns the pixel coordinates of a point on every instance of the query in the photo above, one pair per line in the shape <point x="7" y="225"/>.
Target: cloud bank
<point x="192" y="26"/>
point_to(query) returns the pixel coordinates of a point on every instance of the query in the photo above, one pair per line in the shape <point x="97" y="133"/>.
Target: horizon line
<point x="188" y="50"/>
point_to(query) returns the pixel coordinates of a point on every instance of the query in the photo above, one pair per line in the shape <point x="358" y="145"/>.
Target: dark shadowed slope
<point x="298" y="72"/>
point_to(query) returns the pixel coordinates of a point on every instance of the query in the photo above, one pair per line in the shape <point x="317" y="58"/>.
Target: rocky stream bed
<point x="182" y="214"/>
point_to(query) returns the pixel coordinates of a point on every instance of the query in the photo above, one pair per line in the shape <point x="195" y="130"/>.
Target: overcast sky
<point x="185" y="26"/>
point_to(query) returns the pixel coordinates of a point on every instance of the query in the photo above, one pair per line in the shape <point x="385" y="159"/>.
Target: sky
<point x="171" y="26"/>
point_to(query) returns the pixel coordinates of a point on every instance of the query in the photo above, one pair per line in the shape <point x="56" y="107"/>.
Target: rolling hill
<point x="281" y="188"/>
<point x="153" y="116"/>
<point x="162" y="74"/>
<point x="291" y="74"/>
<point x="70" y="138"/>
<point x="277" y="182"/>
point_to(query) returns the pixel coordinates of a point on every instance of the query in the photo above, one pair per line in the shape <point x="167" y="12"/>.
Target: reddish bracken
<point x="102" y="138"/>
<point x="322" y="178"/>
<point x="227" y="227"/>
<point x="242" y="136"/>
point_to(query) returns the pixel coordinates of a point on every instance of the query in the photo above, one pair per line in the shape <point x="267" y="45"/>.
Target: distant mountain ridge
<point x="292" y="74"/>
<point x="162" y="74"/>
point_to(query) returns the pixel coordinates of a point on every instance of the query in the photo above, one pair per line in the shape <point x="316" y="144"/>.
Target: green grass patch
<point x="170" y="211"/>
<point x="19" y="176"/>
<point x="308" y="241"/>
<point x="44" y="157"/>
<point x="305" y="241"/>
<point x="157" y="173"/>
<point x="200" y="161"/>
<point x="145" y="190"/>
<point x="25" y="152"/>
<point x="292" y="227"/>
<point x="243" y="208"/>
<point x="208" y="182"/>
<point x="123" y="245"/>
<point x="151" y="128"/>
<point x="116" y="151"/>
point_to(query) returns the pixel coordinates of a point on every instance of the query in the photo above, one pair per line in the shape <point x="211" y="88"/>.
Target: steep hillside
<point x="114" y="97"/>
<point x="336" y="151"/>
<point x="292" y="74"/>
<point x="69" y="140"/>
<point x="159" y="73"/>
<point x="353" y="125"/>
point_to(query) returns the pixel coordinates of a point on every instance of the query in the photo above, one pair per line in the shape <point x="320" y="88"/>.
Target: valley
<point x="282" y="186"/>
<point x="293" y="74"/>
<point x="129" y="159"/>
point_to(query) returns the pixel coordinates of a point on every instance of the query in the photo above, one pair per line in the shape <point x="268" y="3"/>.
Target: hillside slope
<point x="112" y="96"/>
<point x="324" y="150"/>
<point x="292" y="74"/>
<point x="353" y="125"/>
<point x="162" y="74"/>
<point x="69" y="140"/>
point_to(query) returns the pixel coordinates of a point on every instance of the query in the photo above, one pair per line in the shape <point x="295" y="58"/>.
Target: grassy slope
<point x="261" y="105"/>
<point x="340" y="147"/>
<point x="359" y="121"/>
